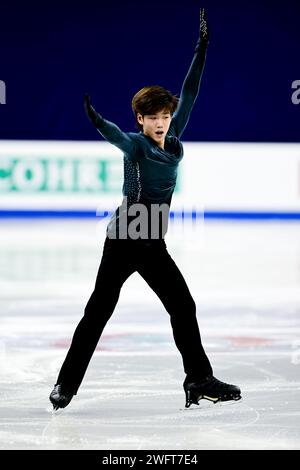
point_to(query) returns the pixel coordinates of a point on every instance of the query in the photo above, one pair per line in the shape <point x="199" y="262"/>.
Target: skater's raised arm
<point x="191" y="84"/>
<point x="110" y="131"/>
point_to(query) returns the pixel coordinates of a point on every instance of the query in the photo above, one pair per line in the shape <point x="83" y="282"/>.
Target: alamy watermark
<point x="151" y="221"/>
<point x="2" y="92"/>
<point x="296" y="94"/>
<point x="138" y="220"/>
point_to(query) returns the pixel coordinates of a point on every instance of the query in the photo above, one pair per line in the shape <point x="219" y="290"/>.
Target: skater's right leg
<point x="164" y="277"/>
<point x="115" y="267"/>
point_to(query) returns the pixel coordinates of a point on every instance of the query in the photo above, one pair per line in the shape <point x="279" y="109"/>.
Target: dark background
<point x="52" y="52"/>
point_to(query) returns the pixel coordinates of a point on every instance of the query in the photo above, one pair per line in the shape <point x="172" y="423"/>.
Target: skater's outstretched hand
<point x="203" y="29"/>
<point x="90" y="111"/>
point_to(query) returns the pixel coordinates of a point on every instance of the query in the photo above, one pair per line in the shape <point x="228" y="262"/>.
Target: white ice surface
<point x="245" y="279"/>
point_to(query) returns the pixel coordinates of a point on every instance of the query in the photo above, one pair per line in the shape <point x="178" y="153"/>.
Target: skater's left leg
<point x="163" y="276"/>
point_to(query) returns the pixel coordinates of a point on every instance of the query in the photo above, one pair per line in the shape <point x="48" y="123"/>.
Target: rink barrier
<point x="218" y="215"/>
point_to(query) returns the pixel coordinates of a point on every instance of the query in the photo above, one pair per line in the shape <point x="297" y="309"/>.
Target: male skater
<point x="151" y="158"/>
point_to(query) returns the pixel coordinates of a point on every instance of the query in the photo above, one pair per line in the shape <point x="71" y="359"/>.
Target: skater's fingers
<point x="87" y="99"/>
<point x="203" y="24"/>
<point x="202" y="14"/>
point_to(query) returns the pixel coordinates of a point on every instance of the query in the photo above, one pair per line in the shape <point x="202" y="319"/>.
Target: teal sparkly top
<point x="150" y="172"/>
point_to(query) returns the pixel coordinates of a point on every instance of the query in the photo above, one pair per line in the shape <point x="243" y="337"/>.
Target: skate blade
<point x="54" y="410"/>
<point x="57" y="411"/>
<point x="215" y="400"/>
<point x="223" y="399"/>
<point x="226" y="403"/>
<point x="206" y="397"/>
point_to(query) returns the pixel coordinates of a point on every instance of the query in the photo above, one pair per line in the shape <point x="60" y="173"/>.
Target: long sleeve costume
<point x="150" y="172"/>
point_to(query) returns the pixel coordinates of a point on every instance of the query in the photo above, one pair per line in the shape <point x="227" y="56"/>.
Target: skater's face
<point x="156" y="125"/>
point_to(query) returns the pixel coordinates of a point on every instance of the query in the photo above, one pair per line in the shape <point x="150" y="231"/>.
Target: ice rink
<point x="245" y="279"/>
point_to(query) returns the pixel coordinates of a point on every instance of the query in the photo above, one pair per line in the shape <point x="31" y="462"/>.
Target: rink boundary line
<point x="194" y="215"/>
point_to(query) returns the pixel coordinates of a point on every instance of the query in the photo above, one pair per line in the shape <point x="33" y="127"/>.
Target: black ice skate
<point x="211" y="389"/>
<point x="60" y="396"/>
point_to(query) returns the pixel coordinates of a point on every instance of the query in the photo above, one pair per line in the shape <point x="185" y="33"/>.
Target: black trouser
<point x="152" y="261"/>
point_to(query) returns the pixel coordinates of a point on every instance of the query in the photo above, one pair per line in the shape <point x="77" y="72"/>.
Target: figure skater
<point x="136" y="244"/>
